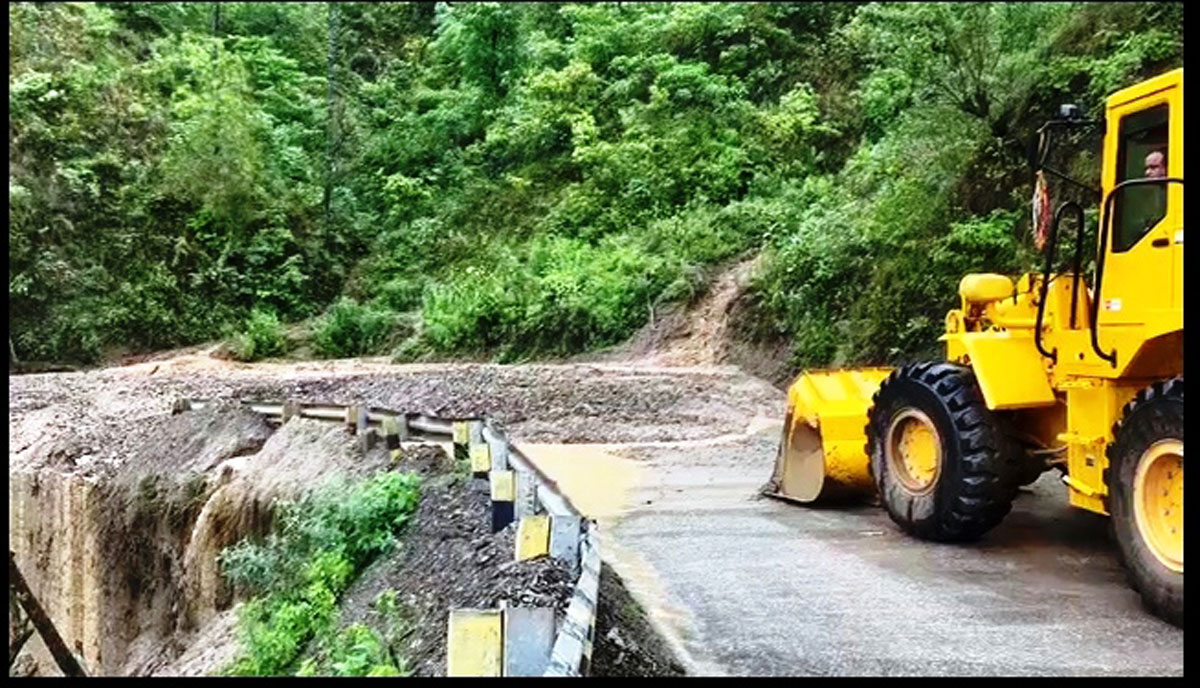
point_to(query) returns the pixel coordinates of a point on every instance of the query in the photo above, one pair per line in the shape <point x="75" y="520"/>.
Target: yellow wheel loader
<point x="1054" y="370"/>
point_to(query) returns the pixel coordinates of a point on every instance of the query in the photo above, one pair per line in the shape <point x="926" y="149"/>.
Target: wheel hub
<point x="914" y="450"/>
<point x="1158" y="501"/>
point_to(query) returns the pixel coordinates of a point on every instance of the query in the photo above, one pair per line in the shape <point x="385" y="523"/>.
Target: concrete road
<point x="743" y="585"/>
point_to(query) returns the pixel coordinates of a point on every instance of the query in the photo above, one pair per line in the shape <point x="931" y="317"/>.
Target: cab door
<point x="1143" y="273"/>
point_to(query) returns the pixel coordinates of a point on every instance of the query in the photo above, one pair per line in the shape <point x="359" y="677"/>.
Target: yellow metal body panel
<point x="474" y="643"/>
<point x="1010" y="371"/>
<point x="1093" y="406"/>
<point x="481" y="458"/>
<point x="533" y="537"/>
<point x="985" y="287"/>
<point x="504" y="486"/>
<point x="1142" y="290"/>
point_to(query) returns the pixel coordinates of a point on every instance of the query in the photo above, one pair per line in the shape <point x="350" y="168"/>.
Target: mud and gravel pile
<point x="117" y="526"/>
<point x="533" y="403"/>
<point x="625" y="643"/>
<point x="449" y="558"/>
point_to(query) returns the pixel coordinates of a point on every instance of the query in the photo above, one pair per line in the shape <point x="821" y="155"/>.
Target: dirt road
<point x="669" y="461"/>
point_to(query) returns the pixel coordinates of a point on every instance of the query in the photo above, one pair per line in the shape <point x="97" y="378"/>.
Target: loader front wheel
<point x="1145" y="479"/>
<point x="944" y="469"/>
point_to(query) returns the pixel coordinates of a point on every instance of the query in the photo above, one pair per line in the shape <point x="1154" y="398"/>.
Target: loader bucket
<point x="822" y="456"/>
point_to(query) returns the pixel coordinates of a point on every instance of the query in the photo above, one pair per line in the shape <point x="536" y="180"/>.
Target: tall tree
<point x="332" y="100"/>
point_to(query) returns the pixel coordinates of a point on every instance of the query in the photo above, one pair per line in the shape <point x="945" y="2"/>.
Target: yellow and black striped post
<point x="474" y="643"/>
<point x="533" y="537"/>
<point x="351" y="418"/>
<point x="504" y="492"/>
<point x="480" y="451"/>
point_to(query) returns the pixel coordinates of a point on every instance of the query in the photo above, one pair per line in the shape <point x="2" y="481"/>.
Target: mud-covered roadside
<point x="117" y="527"/>
<point x="449" y="558"/>
<point x="545" y="403"/>
<point x="626" y="644"/>
<point x="98" y="425"/>
<point x="168" y="491"/>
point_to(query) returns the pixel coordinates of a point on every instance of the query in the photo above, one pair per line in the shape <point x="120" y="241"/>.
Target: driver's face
<point x="1156" y="165"/>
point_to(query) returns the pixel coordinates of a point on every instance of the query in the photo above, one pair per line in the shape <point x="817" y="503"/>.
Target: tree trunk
<point x="331" y="94"/>
<point x="54" y="642"/>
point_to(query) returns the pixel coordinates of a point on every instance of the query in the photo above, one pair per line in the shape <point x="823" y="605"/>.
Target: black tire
<point x="980" y="467"/>
<point x="1155" y="414"/>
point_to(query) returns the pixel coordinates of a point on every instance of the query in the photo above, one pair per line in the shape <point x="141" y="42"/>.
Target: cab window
<point x="1141" y="152"/>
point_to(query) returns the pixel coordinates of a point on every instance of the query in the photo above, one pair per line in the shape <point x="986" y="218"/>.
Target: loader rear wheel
<point x="943" y="468"/>
<point x="1145" y="479"/>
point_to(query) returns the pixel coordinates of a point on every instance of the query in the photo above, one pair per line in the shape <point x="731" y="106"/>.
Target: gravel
<point x="538" y="403"/>
<point x="448" y="559"/>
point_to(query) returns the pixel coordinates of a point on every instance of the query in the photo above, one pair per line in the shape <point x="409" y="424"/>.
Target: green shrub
<point x="356" y="650"/>
<point x="349" y="328"/>
<point x="563" y="296"/>
<point x="298" y="572"/>
<point x="262" y="338"/>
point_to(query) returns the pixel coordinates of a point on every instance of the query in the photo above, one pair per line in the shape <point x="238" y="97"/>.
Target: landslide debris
<point x="449" y="558"/>
<point x="625" y="642"/>
<point x="73" y="433"/>
<point x="117" y="526"/>
<point x="534" y="403"/>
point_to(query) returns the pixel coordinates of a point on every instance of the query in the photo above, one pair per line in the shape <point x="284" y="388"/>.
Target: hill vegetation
<point x="527" y="180"/>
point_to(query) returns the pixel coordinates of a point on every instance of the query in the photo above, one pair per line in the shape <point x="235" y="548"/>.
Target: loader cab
<point x="1127" y="319"/>
<point x="1138" y="286"/>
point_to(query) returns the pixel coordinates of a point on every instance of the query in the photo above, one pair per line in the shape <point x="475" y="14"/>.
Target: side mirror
<point x="1069" y="111"/>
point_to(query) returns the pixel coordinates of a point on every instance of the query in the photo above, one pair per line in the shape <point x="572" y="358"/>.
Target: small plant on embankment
<point x="297" y="573"/>
<point x="359" y="650"/>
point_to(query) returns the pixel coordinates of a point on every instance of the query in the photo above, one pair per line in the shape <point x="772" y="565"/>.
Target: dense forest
<point x="510" y="181"/>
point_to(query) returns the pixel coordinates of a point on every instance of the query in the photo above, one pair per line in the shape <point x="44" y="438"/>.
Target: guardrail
<point x="510" y="641"/>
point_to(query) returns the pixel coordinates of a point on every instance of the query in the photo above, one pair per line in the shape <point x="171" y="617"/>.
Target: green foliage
<point x="164" y="181"/>
<point x="515" y="180"/>
<point x="353" y="329"/>
<point x="262" y="338"/>
<point x="297" y="573"/>
<point x="361" y="650"/>
<point x="356" y="650"/>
